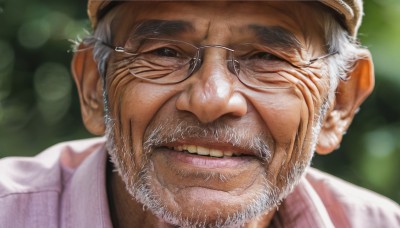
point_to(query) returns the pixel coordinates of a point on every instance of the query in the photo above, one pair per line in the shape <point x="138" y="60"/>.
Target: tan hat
<point x="350" y="10"/>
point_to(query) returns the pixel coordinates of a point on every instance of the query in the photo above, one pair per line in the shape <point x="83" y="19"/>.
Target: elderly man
<point x="212" y="112"/>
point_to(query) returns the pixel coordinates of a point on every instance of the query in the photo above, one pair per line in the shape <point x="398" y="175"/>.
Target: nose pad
<point x="211" y="94"/>
<point x="232" y="64"/>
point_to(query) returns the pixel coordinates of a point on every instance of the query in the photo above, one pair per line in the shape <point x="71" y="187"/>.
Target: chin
<point x="202" y="207"/>
<point x="205" y="207"/>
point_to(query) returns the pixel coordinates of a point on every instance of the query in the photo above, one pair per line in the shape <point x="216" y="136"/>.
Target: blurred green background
<point x="39" y="104"/>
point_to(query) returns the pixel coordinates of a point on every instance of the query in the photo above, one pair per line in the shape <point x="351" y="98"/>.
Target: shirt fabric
<point x="65" y="186"/>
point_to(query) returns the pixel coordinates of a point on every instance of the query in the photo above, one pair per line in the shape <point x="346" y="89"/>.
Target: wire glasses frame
<point x="169" y="61"/>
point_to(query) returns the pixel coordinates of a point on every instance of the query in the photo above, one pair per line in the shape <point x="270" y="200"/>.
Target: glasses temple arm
<point x="322" y="57"/>
<point x="115" y="48"/>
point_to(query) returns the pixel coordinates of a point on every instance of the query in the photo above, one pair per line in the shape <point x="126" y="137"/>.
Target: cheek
<point x="281" y="112"/>
<point x="289" y="115"/>
<point x="133" y="105"/>
<point x="139" y="104"/>
<point x="311" y="88"/>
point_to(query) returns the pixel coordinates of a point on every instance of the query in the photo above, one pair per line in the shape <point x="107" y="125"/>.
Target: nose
<point x="211" y="93"/>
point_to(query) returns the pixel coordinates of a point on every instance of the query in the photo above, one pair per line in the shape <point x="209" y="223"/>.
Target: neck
<point x="125" y="211"/>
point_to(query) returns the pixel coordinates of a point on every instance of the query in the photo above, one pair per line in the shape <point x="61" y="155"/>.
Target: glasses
<point x="168" y="61"/>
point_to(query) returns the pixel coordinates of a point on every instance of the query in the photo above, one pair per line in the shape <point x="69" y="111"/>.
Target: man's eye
<point x="166" y="52"/>
<point x="264" y="56"/>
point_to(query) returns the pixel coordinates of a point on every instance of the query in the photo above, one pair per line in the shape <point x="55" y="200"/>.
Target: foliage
<point x="39" y="105"/>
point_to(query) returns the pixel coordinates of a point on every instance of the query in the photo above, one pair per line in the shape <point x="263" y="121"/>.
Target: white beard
<point x="138" y="185"/>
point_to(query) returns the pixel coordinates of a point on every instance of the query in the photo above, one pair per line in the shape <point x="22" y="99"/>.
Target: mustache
<point x="172" y="130"/>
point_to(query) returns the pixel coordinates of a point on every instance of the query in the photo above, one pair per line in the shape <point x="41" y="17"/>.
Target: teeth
<point x="228" y="153"/>
<point x="191" y="149"/>
<point x="216" y="153"/>
<point x="205" y="151"/>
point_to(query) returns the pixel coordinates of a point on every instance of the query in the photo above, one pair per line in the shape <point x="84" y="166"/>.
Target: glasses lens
<point x="261" y="68"/>
<point x="161" y="61"/>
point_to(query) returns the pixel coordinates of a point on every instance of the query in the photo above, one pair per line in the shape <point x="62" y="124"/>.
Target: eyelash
<point x="170" y="52"/>
<point x="163" y="52"/>
<point x="262" y="55"/>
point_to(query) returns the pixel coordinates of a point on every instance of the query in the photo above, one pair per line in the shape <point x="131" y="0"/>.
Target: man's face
<point x="211" y="148"/>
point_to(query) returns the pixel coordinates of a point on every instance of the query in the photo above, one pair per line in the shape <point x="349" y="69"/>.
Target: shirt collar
<point x="88" y="193"/>
<point x="302" y="208"/>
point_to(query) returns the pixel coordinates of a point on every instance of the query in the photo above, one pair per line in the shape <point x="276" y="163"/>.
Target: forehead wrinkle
<point x="157" y="27"/>
<point x="207" y="30"/>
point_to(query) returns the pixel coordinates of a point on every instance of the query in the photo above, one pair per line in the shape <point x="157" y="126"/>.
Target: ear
<point x="350" y="94"/>
<point x="89" y="85"/>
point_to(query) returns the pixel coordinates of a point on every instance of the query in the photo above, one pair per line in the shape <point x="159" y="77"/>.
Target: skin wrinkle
<point x="309" y="110"/>
<point x="306" y="79"/>
<point x="303" y="34"/>
<point x="300" y="131"/>
<point x="114" y="84"/>
<point x="282" y="174"/>
<point x="310" y="105"/>
<point x="171" y="189"/>
<point x="284" y="74"/>
<point x="133" y="123"/>
<point x="122" y="80"/>
<point x="290" y="147"/>
<point x="301" y="146"/>
<point x="277" y="151"/>
<point x="131" y="138"/>
<point x="313" y="85"/>
<point x="205" y="37"/>
<point x="118" y="112"/>
<point x="275" y="167"/>
<point x="119" y="119"/>
<point x="148" y="28"/>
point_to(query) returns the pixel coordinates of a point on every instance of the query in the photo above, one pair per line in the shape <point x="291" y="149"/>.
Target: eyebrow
<point x="161" y="27"/>
<point x="275" y="36"/>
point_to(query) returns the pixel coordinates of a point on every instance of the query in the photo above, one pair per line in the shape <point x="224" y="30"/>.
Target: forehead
<point x="217" y="20"/>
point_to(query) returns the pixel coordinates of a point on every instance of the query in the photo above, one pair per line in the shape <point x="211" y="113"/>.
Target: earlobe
<point x="89" y="85"/>
<point x="350" y="94"/>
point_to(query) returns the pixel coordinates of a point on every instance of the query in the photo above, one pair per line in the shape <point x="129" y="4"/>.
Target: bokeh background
<point x="39" y="104"/>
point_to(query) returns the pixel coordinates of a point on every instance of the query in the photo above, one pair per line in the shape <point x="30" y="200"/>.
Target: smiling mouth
<point x="204" y="151"/>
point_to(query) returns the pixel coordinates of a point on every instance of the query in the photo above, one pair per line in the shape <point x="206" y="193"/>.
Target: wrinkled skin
<point x="285" y="119"/>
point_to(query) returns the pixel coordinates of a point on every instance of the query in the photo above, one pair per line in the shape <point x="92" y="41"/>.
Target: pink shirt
<point x="64" y="186"/>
